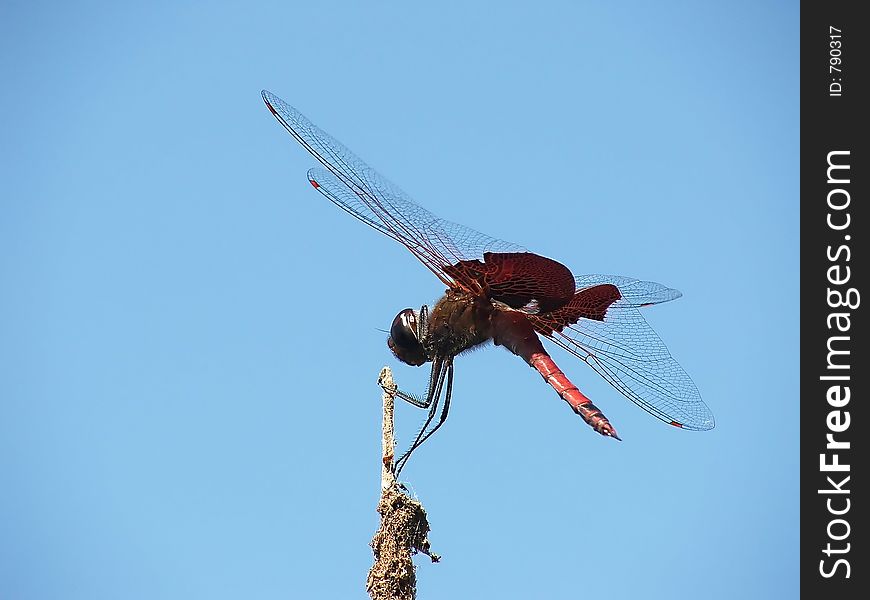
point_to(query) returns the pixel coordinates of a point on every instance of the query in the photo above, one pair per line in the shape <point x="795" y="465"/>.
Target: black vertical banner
<point x="834" y="369"/>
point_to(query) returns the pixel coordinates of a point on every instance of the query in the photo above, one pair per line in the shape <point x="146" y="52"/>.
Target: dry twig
<point x="404" y="526"/>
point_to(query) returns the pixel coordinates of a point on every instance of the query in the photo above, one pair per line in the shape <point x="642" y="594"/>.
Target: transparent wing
<point x="363" y="192"/>
<point x="625" y="351"/>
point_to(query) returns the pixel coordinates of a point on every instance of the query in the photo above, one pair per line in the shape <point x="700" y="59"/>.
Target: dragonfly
<point x="502" y="293"/>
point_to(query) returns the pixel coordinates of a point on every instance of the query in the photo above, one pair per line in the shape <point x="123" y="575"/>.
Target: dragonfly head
<point x="404" y="339"/>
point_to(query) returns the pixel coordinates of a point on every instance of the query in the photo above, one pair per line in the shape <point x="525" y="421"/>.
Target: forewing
<point x="628" y="354"/>
<point x="360" y="190"/>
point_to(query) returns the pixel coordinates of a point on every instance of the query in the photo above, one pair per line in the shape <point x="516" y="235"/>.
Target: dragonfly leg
<point x="410" y="398"/>
<point x="421" y="437"/>
<point x="434" y="375"/>
<point x="435" y="395"/>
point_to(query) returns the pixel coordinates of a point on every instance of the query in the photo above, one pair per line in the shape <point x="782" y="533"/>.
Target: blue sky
<point x="190" y="334"/>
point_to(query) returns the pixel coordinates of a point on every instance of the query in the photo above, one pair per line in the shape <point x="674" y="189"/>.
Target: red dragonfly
<point x="501" y="292"/>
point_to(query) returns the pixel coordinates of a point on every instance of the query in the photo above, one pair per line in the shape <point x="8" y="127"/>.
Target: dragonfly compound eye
<point x="403" y="339"/>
